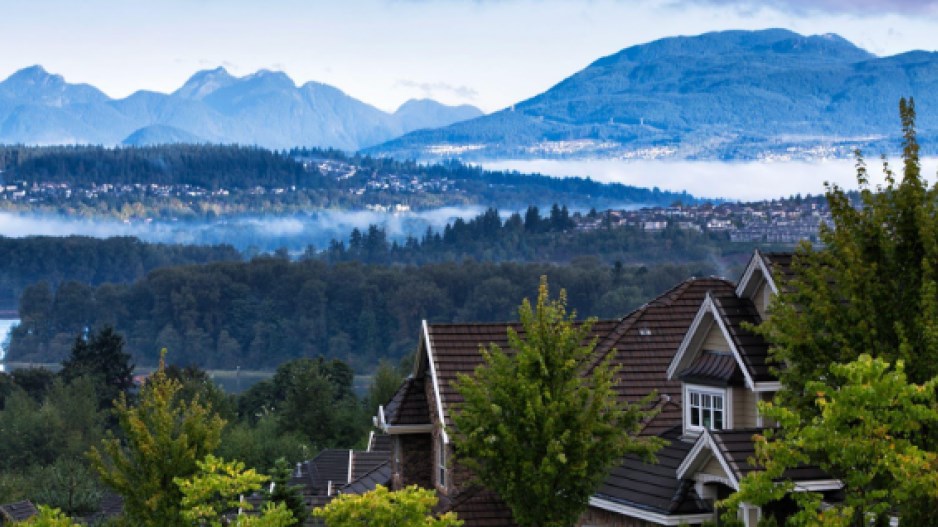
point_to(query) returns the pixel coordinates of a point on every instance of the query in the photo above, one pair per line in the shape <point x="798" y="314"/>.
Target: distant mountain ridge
<point x="724" y="95"/>
<point x="265" y="108"/>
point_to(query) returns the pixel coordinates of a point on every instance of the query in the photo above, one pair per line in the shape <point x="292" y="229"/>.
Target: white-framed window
<point x="706" y="408"/>
<point x="441" y="459"/>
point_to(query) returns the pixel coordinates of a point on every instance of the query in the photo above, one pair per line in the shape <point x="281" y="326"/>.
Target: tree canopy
<point x="409" y="507"/>
<point x="541" y="423"/>
<point x="163" y="438"/>
<point x="854" y="333"/>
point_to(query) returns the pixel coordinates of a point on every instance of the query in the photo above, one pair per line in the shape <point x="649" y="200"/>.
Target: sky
<point x="489" y="53"/>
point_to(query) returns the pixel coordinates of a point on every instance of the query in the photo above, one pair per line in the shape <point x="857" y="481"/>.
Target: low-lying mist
<point x="254" y="233"/>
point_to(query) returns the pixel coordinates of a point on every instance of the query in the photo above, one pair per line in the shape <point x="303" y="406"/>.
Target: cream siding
<point x="715" y="340"/>
<point x="744" y="408"/>
<point x="714" y="468"/>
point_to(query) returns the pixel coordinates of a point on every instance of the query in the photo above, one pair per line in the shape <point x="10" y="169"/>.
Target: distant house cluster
<point x="779" y="221"/>
<point x="690" y="345"/>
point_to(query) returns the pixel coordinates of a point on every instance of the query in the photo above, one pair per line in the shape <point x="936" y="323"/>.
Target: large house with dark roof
<point x="690" y="345"/>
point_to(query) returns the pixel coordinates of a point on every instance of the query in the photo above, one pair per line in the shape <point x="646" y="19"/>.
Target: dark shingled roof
<point x="738" y="446"/>
<point x="456" y="350"/>
<point x="314" y="475"/>
<point x="779" y="264"/>
<point x="365" y="462"/>
<point x="654" y="486"/>
<point x="713" y="367"/>
<point x="646" y="341"/>
<point x="409" y="404"/>
<point x="17" y="511"/>
<point x="753" y="349"/>
<point x="380" y="475"/>
<point x="479" y="507"/>
<point x="379" y="442"/>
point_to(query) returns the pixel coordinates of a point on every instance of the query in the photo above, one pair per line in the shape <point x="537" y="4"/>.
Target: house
<point x="690" y="345"/>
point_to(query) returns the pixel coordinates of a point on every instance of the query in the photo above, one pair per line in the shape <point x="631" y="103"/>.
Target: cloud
<point x="847" y="7"/>
<point x="430" y="89"/>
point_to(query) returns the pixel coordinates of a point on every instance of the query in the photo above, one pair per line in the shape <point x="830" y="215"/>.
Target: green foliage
<point x="409" y="507"/>
<point x="260" y="443"/>
<point x="67" y="484"/>
<point x="867" y="299"/>
<point x="868" y="433"/>
<point x="65" y="424"/>
<point x="102" y="358"/>
<point x="49" y="517"/>
<point x="542" y="424"/>
<point x="282" y="492"/>
<point x="163" y="439"/>
<point x="384" y="384"/>
<point x="265" y="312"/>
<point x="218" y="487"/>
<point x="871" y="287"/>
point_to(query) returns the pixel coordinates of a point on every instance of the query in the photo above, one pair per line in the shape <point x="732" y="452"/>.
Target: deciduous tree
<point x="867" y="298"/>
<point x="409" y="507"/>
<point x="163" y="438"/>
<point x="541" y="423"/>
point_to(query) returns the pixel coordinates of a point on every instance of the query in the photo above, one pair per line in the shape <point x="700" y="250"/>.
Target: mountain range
<point x="764" y="94"/>
<point x="725" y="95"/>
<point x="265" y="108"/>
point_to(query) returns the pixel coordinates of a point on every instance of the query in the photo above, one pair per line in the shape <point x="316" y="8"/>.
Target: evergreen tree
<point x="102" y="358"/>
<point x="282" y="492"/>
<point x="541" y="424"/>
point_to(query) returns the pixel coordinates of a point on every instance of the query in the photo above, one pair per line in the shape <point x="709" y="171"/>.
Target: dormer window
<point x="706" y="409"/>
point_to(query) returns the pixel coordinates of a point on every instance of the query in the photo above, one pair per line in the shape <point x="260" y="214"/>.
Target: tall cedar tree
<point x="541" y="423"/>
<point x="102" y="358"/>
<point x="866" y="299"/>
<point x="870" y="287"/>
<point x="162" y="438"/>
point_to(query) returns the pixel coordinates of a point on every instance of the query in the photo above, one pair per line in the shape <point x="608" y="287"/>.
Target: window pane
<point x="694" y="399"/>
<point x="695" y="417"/>
<point x="706" y="401"/>
<point x="707" y="418"/>
<point x="718" y="402"/>
<point x="717" y="420"/>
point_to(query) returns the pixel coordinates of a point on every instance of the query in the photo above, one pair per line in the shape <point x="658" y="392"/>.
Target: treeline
<point x="532" y="237"/>
<point x="91" y="261"/>
<point x="55" y="419"/>
<point x="260" y="313"/>
<point x="206" y="166"/>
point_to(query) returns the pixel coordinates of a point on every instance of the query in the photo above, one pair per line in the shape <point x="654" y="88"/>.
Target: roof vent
<point x="644" y="331"/>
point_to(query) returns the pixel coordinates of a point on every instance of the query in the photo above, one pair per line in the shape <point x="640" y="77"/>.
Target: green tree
<point x="541" y="425"/>
<point x="409" y="507"/>
<point x="384" y="384"/>
<point x="867" y="298"/>
<point x="281" y="491"/>
<point x="163" y="438"/>
<point x="870" y="287"/>
<point x="868" y="434"/>
<point x="102" y="358"/>
<point x="67" y="484"/>
<point x="48" y="517"/>
<point x="218" y="488"/>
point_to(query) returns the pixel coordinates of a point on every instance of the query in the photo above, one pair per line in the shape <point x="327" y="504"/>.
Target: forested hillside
<point x="90" y="261"/>
<point x="260" y="313"/>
